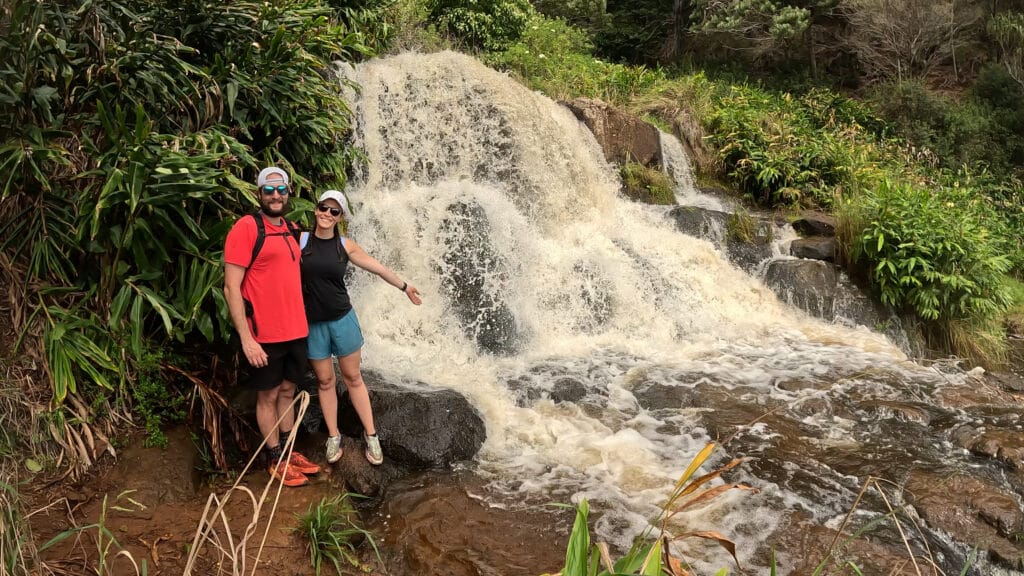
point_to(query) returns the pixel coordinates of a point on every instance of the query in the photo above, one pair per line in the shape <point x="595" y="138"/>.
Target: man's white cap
<point x="341" y="199"/>
<point x="268" y="172"/>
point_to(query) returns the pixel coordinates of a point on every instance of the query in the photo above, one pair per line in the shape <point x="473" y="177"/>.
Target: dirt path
<point x="436" y="522"/>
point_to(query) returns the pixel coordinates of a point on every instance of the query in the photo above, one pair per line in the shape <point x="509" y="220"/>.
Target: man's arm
<point x="233" y="276"/>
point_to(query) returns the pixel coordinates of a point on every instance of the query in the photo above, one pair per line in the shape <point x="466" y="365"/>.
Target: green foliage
<point x="646" y="184"/>
<point x="554" y="57"/>
<point x="633" y="30"/>
<point x="331" y="534"/>
<point x="131" y="133"/>
<point x="1008" y="30"/>
<point x="156" y="399"/>
<point x="782" y="150"/>
<point x="934" y="251"/>
<point x="943" y="132"/>
<point x="486" y="24"/>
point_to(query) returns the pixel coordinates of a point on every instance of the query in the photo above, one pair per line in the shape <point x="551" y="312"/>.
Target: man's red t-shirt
<point x="273" y="282"/>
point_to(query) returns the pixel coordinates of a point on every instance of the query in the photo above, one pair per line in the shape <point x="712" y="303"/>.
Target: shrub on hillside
<point x="486" y="24"/>
<point x="936" y="252"/>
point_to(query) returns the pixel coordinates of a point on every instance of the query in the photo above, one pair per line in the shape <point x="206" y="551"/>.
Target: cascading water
<point x="498" y="205"/>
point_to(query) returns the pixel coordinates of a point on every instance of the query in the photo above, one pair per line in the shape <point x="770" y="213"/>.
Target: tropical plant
<point x="331" y="534"/>
<point x="934" y="251"/>
<point x="651" y="555"/>
<point x="130" y="130"/>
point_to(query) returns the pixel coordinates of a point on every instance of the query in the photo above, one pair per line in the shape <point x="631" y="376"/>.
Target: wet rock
<point x="1008" y="381"/>
<point x="623" y="137"/>
<point x="815" y="224"/>
<point x="807" y="284"/>
<point x="749" y="255"/>
<point x="568" y="390"/>
<point x="814" y="248"/>
<point x="970" y="511"/>
<point x="1006" y="446"/>
<point x="657" y="396"/>
<point x="901" y="410"/>
<point x="700" y="222"/>
<point x="803" y="545"/>
<point x="524" y="391"/>
<point x="473" y="276"/>
<point x="419" y="426"/>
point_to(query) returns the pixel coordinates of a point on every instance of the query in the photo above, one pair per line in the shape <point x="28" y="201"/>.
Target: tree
<point x="1008" y="30"/>
<point x="908" y="38"/>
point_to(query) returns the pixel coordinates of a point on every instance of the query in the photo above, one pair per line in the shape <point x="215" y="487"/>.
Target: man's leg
<point x="284" y="409"/>
<point x="266" y="416"/>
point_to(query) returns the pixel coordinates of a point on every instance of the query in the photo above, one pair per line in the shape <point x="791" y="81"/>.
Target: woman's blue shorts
<point x="339" y="337"/>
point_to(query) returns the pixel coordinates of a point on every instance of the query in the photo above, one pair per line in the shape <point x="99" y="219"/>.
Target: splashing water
<point x="536" y="274"/>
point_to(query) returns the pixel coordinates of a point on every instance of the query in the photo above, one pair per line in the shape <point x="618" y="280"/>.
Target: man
<point x="263" y="289"/>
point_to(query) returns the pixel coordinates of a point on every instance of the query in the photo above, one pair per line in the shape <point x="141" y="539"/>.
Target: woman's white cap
<point x="341" y="199"/>
<point x="267" y="172"/>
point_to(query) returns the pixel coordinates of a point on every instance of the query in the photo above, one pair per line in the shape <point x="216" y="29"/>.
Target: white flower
<point x="541" y="56"/>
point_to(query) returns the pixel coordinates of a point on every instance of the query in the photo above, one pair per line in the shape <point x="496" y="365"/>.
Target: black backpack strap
<point x="293" y="228"/>
<point x="261" y="236"/>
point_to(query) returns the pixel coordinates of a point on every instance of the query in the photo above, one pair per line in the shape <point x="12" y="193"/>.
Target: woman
<point x="333" y="327"/>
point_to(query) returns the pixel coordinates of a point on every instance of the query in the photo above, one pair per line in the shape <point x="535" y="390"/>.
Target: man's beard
<point x="265" y="207"/>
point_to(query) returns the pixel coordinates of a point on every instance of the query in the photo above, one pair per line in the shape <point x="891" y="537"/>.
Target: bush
<point x="486" y="24"/>
<point x="934" y="252"/>
<point x="646" y="184"/>
<point x="554" y="57"/>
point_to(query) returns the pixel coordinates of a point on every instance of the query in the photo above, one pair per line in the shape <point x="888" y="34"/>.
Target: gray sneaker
<point x="373" y="452"/>
<point x="334" y="449"/>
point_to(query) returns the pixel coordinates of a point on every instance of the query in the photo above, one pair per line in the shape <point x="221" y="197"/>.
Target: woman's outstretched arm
<point x="360" y="258"/>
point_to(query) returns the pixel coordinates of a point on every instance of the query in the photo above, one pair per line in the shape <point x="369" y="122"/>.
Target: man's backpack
<point x="261" y="234"/>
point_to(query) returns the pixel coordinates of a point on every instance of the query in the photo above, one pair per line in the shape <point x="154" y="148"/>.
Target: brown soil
<point x="155" y="500"/>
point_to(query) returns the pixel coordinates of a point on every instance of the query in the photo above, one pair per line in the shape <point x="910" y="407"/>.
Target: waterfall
<point x="535" y="272"/>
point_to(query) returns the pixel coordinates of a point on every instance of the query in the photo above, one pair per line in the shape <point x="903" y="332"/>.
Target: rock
<point x="901" y="410"/>
<point x="815" y="224"/>
<point x="803" y="545"/>
<point x="815" y="248"/>
<point x="1007" y="446"/>
<point x="473" y="276"/>
<point x="568" y="390"/>
<point x="701" y="223"/>
<point x="622" y="136"/>
<point x="971" y="511"/>
<point x="807" y="284"/>
<point x="419" y="426"/>
<point x="688" y="130"/>
<point x="657" y="396"/>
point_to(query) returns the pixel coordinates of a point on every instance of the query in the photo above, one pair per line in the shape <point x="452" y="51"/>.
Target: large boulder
<point x="419" y="426"/>
<point x="815" y="224"/>
<point x="814" y="248"/>
<point x="807" y="284"/>
<point x="622" y="136"/>
<point x="713" y="226"/>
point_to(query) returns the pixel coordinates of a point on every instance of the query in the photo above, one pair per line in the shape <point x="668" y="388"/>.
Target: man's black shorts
<point x="285" y="361"/>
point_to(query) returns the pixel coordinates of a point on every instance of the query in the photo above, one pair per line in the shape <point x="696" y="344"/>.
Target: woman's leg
<point x="324" y="370"/>
<point x="357" y="393"/>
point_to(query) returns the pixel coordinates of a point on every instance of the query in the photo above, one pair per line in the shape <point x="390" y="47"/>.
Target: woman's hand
<point x="413" y="294"/>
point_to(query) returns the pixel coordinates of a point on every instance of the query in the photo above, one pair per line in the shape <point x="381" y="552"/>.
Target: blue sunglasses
<point x="269" y="190"/>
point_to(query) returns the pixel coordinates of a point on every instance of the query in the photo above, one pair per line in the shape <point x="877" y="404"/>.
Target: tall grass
<point x="332" y="534"/>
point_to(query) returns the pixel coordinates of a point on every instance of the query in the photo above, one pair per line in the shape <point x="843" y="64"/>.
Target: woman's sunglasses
<point x="326" y="208"/>
<point x="269" y="190"/>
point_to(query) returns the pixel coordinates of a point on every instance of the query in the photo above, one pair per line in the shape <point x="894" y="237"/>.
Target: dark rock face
<point x="815" y="224"/>
<point x="471" y="270"/>
<point x="622" y="136"/>
<point x="815" y="248"/>
<point x="1003" y="445"/>
<point x="807" y="284"/>
<point x="700" y="222"/>
<point x="419" y="427"/>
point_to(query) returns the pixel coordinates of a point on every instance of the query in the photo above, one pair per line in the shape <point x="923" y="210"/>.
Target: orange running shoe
<point x="302" y="464"/>
<point x="289" y="477"/>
